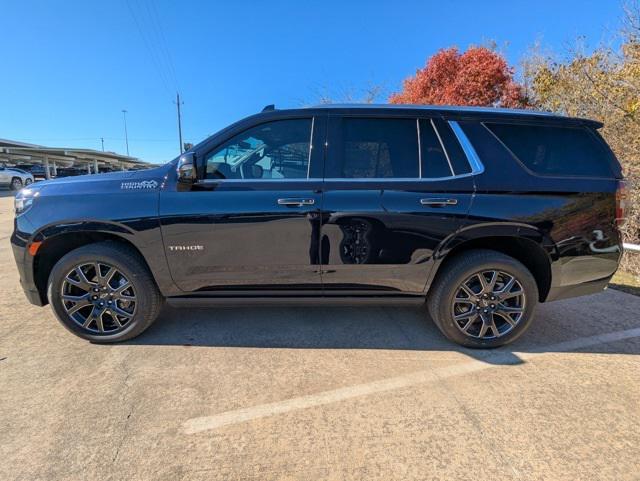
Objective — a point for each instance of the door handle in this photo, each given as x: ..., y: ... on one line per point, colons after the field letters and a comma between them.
x: 296, y: 202
x: 438, y: 202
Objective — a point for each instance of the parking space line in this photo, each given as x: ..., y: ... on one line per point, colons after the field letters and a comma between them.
x: 205, y: 423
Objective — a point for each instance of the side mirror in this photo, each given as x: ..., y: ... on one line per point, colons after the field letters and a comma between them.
x: 187, y: 174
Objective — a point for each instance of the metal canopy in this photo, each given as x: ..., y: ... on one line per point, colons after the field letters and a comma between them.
x: 13, y: 152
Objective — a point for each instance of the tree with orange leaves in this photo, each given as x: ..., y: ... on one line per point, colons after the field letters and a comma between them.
x: 479, y: 76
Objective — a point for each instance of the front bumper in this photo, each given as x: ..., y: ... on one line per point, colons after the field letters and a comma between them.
x: 24, y: 262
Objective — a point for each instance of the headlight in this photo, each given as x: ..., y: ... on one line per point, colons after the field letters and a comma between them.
x: 24, y: 200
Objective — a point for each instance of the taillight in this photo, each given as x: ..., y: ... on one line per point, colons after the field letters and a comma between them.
x: 621, y: 203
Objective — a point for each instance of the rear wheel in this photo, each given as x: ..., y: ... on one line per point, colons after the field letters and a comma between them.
x: 103, y: 292
x: 483, y: 299
x: 16, y: 183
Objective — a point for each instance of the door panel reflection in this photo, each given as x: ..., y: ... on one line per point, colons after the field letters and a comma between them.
x: 387, y: 244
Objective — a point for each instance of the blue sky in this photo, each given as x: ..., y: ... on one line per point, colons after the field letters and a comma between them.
x: 71, y: 67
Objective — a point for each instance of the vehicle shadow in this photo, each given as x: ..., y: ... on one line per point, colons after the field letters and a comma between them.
x: 7, y: 193
x: 561, y: 326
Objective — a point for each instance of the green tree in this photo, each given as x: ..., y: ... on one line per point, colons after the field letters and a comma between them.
x: 604, y: 85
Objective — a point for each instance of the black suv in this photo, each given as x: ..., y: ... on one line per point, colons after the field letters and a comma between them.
x: 480, y: 213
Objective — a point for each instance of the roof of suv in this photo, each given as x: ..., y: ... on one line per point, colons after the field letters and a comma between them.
x: 463, y: 110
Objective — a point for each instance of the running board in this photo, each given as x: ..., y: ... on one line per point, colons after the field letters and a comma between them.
x: 295, y: 301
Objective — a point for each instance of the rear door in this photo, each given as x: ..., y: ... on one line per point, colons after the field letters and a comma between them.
x: 395, y: 188
x: 253, y: 221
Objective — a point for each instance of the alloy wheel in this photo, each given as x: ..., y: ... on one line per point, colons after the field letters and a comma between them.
x: 99, y: 298
x: 489, y: 304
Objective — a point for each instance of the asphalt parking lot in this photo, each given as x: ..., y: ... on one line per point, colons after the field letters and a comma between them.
x: 319, y: 393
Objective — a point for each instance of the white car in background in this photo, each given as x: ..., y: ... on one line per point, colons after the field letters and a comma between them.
x: 14, y: 178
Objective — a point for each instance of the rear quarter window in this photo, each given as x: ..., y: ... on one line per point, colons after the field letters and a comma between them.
x: 551, y: 150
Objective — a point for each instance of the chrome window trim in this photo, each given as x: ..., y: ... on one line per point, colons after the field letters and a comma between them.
x: 397, y: 179
x: 339, y: 179
x: 444, y: 149
x: 472, y: 156
x: 240, y: 181
x: 419, y: 149
x: 313, y: 121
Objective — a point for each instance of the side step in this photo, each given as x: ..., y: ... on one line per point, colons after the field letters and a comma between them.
x: 192, y: 301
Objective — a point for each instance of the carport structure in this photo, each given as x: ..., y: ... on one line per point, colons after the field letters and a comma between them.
x: 13, y: 153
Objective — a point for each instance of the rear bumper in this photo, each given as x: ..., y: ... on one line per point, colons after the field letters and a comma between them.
x: 577, y: 290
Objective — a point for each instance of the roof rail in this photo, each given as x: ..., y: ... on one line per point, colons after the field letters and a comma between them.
x: 269, y: 108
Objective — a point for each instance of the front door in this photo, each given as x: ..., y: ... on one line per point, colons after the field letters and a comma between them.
x: 253, y: 221
x: 395, y: 188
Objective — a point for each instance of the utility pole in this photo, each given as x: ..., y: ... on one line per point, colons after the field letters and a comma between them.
x: 126, y: 136
x: 179, y: 122
x: 102, y: 140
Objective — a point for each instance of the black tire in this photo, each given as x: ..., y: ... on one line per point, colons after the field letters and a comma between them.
x: 465, y: 268
x: 16, y: 183
x: 128, y: 264
x: 28, y: 182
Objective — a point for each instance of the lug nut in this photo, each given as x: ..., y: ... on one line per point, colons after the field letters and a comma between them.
x: 493, y: 306
x: 486, y: 311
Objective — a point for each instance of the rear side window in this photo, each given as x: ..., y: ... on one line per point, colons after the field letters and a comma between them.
x: 458, y: 159
x: 551, y: 150
x: 435, y: 162
x: 374, y: 148
x: 442, y: 155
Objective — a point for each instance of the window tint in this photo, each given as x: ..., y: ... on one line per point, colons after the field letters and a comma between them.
x: 374, y: 148
x: 458, y: 159
x: 554, y: 150
x: 434, y: 158
x: 274, y: 150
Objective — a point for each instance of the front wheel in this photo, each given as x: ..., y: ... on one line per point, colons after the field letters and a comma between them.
x: 483, y: 299
x: 103, y: 292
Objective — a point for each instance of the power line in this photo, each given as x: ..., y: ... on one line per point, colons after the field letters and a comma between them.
x: 158, y: 49
x: 149, y: 46
x: 164, y: 46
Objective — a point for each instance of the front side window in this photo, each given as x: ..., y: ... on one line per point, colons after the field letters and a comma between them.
x: 551, y: 150
x: 273, y: 150
x: 374, y: 148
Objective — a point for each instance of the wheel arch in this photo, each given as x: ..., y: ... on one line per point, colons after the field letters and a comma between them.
x: 54, y: 247
x: 528, y: 249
